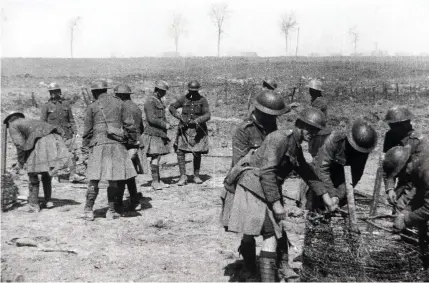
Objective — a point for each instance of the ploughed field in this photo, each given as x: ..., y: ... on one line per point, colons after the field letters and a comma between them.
x: 177, y: 235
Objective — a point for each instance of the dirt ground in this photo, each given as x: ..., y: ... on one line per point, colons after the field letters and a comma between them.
x: 177, y: 235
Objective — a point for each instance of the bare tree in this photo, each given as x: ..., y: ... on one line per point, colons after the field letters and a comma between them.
x: 219, y: 13
x: 177, y: 28
x: 287, y: 22
x: 73, y: 24
x: 354, y: 36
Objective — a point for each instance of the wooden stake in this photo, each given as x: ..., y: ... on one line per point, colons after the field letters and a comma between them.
x: 376, y: 196
x: 3, y: 148
x: 352, y: 209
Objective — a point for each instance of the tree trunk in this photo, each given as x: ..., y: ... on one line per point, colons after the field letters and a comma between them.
x: 286, y: 34
x: 71, y: 44
x: 176, y: 42
x: 218, y: 44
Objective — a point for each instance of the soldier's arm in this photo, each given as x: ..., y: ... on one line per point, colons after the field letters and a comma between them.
x: 128, y: 125
x: 87, y: 129
x: 422, y: 213
x: 323, y: 161
x: 44, y: 113
x: 18, y: 140
x: 152, y: 117
x: 176, y: 105
x: 308, y: 174
x: 71, y: 120
x: 357, y: 168
x: 206, y: 112
x: 240, y: 145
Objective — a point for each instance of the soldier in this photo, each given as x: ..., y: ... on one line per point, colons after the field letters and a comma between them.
x: 57, y: 111
x: 340, y: 149
x: 192, y: 136
x: 256, y: 180
x: 108, y: 127
x: 249, y: 135
x: 401, y: 133
x: 155, y: 139
x: 40, y: 146
x: 124, y: 92
x: 399, y: 161
x: 317, y: 99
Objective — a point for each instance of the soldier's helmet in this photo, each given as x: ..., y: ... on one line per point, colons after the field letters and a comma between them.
x: 270, y: 84
x: 163, y: 85
x: 362, y: 136
x: 122, y: 89
x: 315, y: 84
x: 99, y: 84
x: 10, y: 115
x: 194, y: 85
x: 313, y: 117
x: 53, y: 86
x: 270, y: 103
x: 395, y: 159
x: 398, y: 114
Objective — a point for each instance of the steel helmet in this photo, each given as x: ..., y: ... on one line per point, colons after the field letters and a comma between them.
x: 270, y: 103
x: 99, y: 84
x: 53, y: 86
x: 398, y: 114
x: 313, y: 117
x: 194, y: 85
x: 125, y: 89
x: 162, y: 85
x: 362, y: 136
x: 395, y: 159
x: 10, y: 115
x: 315, y: 84
x: 271, y: 84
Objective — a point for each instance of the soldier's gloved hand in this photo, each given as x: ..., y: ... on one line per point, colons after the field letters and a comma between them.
x: 399, y: 223
x: 391, y: 197
x: 329, y: 203
x: 279, y: 211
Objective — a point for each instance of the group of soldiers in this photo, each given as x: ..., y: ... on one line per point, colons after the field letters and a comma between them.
x: 116, y: 141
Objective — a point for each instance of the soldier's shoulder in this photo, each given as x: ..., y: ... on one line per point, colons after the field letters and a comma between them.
x: 245, y: 123
x: 338, y: 136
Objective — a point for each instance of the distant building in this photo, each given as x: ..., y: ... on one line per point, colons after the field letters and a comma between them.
x: 249, y: 54
x: 171, y: 54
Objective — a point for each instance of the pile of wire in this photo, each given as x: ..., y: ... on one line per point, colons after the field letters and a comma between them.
x: 332, y: 252
x: 9, y: 191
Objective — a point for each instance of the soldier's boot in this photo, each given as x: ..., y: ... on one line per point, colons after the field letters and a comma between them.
x: 267, y: 266
x: 134, y: 196
x: 156, y: 184
x: 33, y: 195
x: 111, y: 213
x: 285, y: 273
x: 248, y: 250
x: 197, y: 165
x: 47, y: 190
x: 91, y: 196
x: 119, y: 203
x: 182, y: 168
x: 74, y: 177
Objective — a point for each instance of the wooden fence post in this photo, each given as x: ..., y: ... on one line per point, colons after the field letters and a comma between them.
x: 33, y: 100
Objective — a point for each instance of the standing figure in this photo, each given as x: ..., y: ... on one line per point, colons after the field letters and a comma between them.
x: 399, y: 162
x: 256, y: 181
x: 42, y: 149
x: 401, y: 133
x: 248, y: 136
x: 155, y: 139
x: 108, y: 127
x: 124, y: 92
x: 342, y: 148
x: 192, y: 134
x: 57, y: 112
x: 317, y: 99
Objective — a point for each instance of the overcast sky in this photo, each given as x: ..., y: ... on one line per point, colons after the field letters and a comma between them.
x: 131, y: 28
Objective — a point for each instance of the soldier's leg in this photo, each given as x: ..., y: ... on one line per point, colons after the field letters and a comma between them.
x: 197, y: 166
x: 268, y: 258
x: 112, y: 195
x: 182, y: 167
x: 47, y: 189
x: 156, y: 182
x: 91, y: 196
x: 119, y: 203
x: 248, y: 250
x: 33, y: 193
x: 132, y: 189
x: 285, y: 272
x: 405, y: 193
x: 423, y: 232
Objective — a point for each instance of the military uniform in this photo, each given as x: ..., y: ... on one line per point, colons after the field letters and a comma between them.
x: 192, y: 134
x: 58, y: 112
x: 404, y: 189
x: 42, y: 149
x: 329, y: 164
x: 108, y: 159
